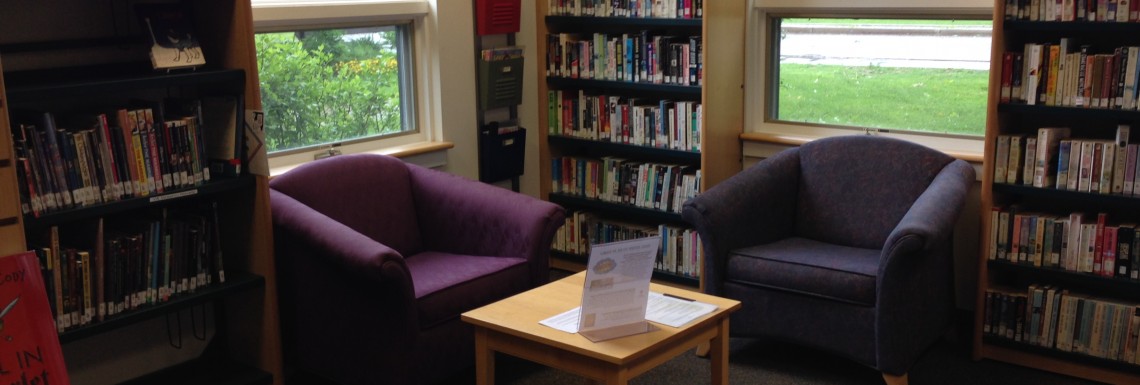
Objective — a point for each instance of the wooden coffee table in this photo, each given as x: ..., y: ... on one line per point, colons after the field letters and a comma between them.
x: 511, y: 326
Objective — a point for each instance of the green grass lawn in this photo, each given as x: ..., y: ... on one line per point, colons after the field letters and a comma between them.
x: 950, y: 101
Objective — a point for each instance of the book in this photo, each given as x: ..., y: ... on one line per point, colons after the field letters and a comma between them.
x: 220, y: 117
x: 1120, y: 159
x: 1030, y: 163
x: 1001, y: 160
x: 174, y: 43
x: 1047, y: 158
x: 28, y: 337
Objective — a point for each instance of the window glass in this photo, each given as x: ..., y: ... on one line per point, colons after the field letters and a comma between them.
x: 334, y: 86
x: 927, y: 76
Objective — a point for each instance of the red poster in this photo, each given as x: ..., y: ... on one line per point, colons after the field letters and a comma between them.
x: 29, y: 343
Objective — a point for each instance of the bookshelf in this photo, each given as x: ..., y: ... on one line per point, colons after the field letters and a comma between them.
x: 97, y: 60
x: 715, y: 84
x: 1052, y: 340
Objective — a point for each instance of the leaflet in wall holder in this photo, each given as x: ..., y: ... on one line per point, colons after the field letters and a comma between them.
x: 501, y: 77
x: 502, y: 149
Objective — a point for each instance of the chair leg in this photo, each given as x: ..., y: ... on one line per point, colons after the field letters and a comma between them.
x: 891, y: 379
x: 703, y: 349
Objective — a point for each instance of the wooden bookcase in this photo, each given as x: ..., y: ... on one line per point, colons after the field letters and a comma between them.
x: 720, y: 93
x: 74, y: 54
x: 1014, y: 117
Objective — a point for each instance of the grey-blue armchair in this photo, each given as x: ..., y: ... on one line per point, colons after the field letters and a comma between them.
x: 842, y: 244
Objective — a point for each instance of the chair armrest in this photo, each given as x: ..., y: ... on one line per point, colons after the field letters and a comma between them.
x: 327, y: 271
x: 340, y: 245
x: 930, y: 220
x: 915, y: 279
x: 459, y: 215
x: 755, y: 206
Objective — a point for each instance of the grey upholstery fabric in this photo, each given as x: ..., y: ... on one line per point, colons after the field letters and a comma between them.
x: 843, y: 244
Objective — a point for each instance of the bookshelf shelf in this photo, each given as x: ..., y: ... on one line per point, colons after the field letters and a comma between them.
x: 1073, y: 112
x: 43, y: 85
x: 1070, y: 26
x: 617, y: 210
x: 220, y: 187
x: 602, y: 147
x: 566, y: 22
x: 236, y: 281
x: 1121, y: 287
x: 620, y: 86
x: 1063, y: 355
x: 1085, y: 199
x: 1014, y: 209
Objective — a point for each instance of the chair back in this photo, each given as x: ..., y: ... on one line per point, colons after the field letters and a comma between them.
x: 853, y: 190
x: 370, y: 193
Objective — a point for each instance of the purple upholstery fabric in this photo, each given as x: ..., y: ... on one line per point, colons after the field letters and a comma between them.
x: 461, y: 217
x: 369, y: 194
x: 838, y: 246
x: 377, y: 259
x: 450, y: 284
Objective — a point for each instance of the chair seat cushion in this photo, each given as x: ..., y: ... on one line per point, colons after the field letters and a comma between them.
x: 447, y: 284
x: 808, y: 267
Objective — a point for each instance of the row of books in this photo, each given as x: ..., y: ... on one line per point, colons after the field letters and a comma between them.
x: 94, y: 273
x: 660, y: 123
x: 1055, y: 318
x: 1074, y: 242
x: 667, y: 9
x: 85, y: 159
x: 656, y: 186
x: 1067, y: 73
x: 681, y: 251
x: 1073, y: 10
x: 1050, y: 159
x: 644, y: 57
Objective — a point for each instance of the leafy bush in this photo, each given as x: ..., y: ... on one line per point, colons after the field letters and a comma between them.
x: 319, y: 87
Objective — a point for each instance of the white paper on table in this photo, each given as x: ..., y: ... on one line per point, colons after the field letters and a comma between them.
x: 664, y: 310
x: 675, y: 312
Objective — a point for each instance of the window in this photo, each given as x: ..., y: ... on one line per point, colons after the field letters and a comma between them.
x: 338, y: 74
x: 325, y: 86
x: 914, y: 69
x: 922, y: 75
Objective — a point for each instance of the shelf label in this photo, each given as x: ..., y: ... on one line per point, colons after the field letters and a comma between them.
x: 176, y: 195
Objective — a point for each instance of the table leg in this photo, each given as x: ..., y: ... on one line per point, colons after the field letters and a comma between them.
x: 618, y: 377
x: 718, y: 353
x: 484, y: 359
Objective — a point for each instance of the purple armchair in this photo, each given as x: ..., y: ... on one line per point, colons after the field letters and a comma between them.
x: 377, y: 259
x: 843, y: 244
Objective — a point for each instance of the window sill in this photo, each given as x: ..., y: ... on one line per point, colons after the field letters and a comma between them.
x: 796, y: 140
x: 410, y: 152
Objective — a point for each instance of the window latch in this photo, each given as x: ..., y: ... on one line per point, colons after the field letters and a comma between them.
x: 327, y: 152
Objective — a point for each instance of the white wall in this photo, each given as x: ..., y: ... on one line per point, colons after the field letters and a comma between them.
x: 456, y: 63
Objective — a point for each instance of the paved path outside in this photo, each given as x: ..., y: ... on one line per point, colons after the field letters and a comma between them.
x: 962, y: 48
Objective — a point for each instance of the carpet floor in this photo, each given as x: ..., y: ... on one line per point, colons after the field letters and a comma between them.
x: 755, y: 361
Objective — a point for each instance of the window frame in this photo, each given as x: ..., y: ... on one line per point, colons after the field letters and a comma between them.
x: 288, y: 15
x: 761, y: 63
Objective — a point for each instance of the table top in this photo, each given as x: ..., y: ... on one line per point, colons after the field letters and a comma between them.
x: 520, y: 315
